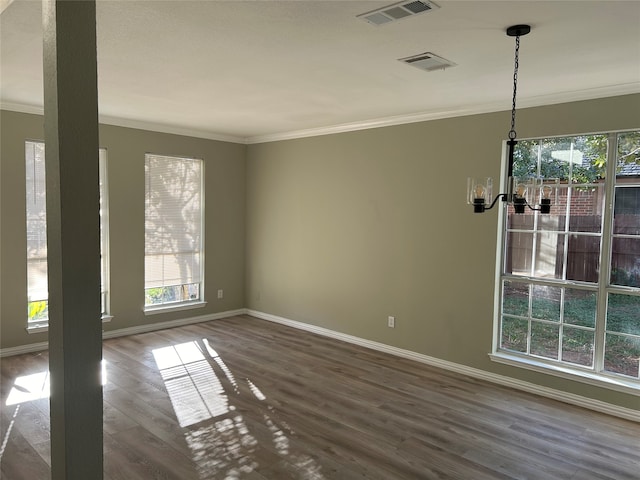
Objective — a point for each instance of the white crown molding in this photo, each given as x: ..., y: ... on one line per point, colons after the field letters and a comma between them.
x: 368, y: 124
x: 171, y: 129
x: 22, y: 108
x: 137, y: 124
x: 570, y: 398
x: 538, y: 101
x: 4, y: 4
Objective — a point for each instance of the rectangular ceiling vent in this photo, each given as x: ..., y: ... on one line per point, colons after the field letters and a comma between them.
x: 397, y: 11
x: 428, y: 61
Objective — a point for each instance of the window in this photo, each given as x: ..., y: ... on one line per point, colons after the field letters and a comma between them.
x: 569, y: 287
x: 104, y: 235
x: 173, y: 231
x: 37, y: 288
x: 37, y: 283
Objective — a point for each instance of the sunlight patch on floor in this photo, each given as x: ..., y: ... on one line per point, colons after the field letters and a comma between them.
x: 28, y: 388
x: 37, y: 385
x: 193, y: 387
x: 201, y: 388
x: 3, y: 446
x: 223, y: 446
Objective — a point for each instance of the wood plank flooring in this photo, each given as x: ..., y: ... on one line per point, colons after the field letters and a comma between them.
x: 242, y: 398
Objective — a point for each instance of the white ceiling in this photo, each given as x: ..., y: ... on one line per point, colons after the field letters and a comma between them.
x: 252, y: 71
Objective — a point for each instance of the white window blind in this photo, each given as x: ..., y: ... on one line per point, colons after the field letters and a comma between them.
x: 173, y: 229
x: 36, y: 219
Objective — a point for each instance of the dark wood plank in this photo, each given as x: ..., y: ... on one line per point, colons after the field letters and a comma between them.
x: 248, y: 399
x: 20, y: 460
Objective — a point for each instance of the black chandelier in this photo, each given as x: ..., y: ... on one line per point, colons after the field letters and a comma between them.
x: 541, y: 191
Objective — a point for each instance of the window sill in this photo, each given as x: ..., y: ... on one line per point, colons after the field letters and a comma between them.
x: 173, y: 308
x: 38, y: 328
x: 44, y: 327
x: 609, y: 381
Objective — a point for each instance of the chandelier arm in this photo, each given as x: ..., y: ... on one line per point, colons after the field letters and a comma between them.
x: 501, y: 195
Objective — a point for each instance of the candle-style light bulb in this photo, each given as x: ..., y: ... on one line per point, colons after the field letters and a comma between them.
x: 521, y: 189
x: 545, y: 201
x: 479, y: 193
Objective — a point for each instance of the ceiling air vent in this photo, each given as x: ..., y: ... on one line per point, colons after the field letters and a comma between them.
x: 428, y: 61
x: 397, y: 11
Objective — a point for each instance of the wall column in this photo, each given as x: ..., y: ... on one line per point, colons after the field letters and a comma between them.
x: 73, y: 238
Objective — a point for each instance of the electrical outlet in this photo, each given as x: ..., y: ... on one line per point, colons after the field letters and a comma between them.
x: 220, y: 293
x: 391, y: 322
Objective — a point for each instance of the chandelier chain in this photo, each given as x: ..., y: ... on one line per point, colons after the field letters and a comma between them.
x: 512, y: 132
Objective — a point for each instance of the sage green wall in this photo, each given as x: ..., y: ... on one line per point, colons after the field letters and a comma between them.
x: 344, y: 230
x: 341, y: 230
x: 224, y: 222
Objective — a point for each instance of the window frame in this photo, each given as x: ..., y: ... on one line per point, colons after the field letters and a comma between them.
x: 594, y: 374
x: 186, y: 304
x: 42, y: 325
x: 105, y: 262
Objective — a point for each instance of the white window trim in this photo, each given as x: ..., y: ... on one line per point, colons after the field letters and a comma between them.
x: 604, y: 380
x: 187, y: 304
x: 601, y: 378
x: 105, y: 262
x: 173, y: 307
x: 43, y: 325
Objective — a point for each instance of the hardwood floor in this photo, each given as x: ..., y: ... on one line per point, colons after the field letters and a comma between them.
x: 242, y: 398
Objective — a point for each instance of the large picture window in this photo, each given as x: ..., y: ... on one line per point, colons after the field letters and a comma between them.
x: 36, y: 211
x: 569, y: 287
x: 173, y: 231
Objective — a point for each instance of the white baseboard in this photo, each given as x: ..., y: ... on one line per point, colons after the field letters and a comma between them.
x: 150, y: 327
x: 19, y: 350
x: 570, y: 398
x: 122, y: 332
